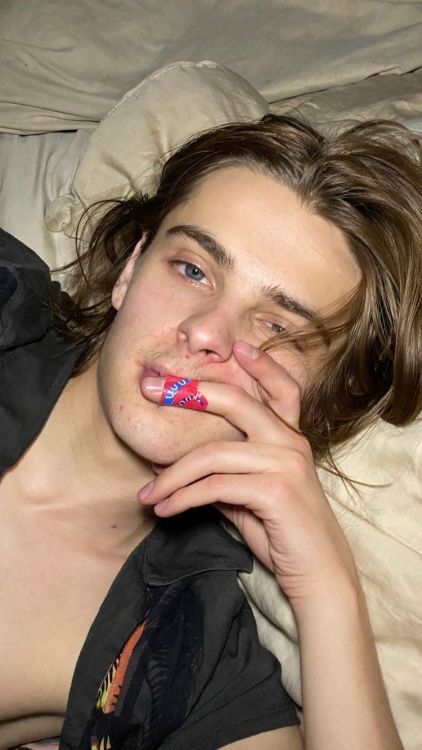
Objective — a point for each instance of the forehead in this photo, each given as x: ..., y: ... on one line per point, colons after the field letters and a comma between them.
x: 272, y: 237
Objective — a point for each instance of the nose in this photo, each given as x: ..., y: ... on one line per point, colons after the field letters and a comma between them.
x: 210, y: 332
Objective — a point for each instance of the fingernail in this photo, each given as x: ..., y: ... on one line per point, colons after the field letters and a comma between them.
x: 142, y: 494
x: 247, y: 349
x: 161, y: 505
x: 153, y: 385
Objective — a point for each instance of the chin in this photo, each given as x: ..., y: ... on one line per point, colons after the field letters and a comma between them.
x: 165, y: 441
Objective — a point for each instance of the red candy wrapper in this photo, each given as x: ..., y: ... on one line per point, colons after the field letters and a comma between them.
x: 182, y: 392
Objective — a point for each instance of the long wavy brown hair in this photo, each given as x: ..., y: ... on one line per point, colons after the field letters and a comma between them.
x: 367, y: 181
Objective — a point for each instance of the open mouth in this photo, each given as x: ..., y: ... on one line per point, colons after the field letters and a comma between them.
x: 148, y: 372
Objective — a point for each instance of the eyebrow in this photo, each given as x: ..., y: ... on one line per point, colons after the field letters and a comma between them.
x: 224, y: 260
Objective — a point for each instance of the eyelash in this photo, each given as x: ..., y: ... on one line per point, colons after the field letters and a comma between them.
x: 193, y: 265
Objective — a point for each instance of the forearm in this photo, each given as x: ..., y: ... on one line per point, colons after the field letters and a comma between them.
x: 344, y: 700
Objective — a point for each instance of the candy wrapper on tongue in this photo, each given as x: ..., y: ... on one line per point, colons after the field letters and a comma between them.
x: 182, y: 392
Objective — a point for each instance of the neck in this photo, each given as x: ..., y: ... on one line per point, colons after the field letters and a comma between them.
x: 79, y: 471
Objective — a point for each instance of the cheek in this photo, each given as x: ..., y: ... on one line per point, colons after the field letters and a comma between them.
x: 144, y: 315
x: 140, y: 332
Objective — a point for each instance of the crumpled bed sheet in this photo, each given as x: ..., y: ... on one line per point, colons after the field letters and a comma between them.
x: 67, y: 69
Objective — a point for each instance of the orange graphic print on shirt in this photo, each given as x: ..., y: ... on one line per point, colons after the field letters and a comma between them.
x: 136, y: 704
x: 112, y: 683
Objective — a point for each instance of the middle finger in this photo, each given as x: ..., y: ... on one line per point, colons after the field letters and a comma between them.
x: 214, y: 458
x: 230, y: 401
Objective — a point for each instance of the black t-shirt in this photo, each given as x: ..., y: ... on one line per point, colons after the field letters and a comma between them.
x: 174, y: 649
x: 172, y: 659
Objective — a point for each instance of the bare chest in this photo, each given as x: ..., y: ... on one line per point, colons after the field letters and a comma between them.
x: 50, y: 593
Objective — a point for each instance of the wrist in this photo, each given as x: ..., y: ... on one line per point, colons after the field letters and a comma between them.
x: 339, y: 591
x: 342, y: 685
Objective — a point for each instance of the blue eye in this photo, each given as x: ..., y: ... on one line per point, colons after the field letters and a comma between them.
x: 196, y: 273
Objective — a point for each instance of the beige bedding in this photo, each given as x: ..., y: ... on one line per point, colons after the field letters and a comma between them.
x: 384, y: 528
x: 389, y: 96
x: 65, y: 64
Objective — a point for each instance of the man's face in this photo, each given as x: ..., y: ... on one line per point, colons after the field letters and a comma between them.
x: 180, y: 311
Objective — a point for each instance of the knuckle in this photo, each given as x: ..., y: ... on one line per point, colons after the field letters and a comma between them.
x: 277, y: 489
x: 304, y: 448
x: 237, y: 391
x: 211, y: 454
x: 296, y: 389
x: 299, y: 460
x: 292, y: 388
x: 210, y: 449
x: 281, y: 487
x: 275, y: 482
x: 215, y: 482
x: 292, y: 465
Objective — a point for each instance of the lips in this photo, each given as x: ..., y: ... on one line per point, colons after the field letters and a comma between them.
x: 148, y: 372
x: 160, y: 371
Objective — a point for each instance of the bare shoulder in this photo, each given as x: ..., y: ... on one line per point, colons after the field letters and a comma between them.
x: 287, y: 738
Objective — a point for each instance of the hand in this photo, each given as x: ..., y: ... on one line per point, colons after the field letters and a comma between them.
x: 266, y: 486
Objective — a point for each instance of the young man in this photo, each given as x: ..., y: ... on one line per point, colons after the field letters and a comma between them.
x: 169, y: 656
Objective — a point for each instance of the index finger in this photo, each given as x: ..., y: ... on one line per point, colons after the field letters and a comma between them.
x: 179, y: 391
x: 230, y: 401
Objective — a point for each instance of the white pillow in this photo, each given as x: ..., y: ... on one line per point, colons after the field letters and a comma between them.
x: 127, y: 150
x: 34, y: 170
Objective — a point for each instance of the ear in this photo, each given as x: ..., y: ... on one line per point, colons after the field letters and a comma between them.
x: 120, y: 288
